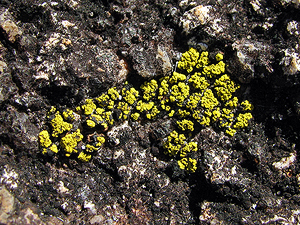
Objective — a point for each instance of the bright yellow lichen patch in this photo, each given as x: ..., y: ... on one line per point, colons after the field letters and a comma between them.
x: 188, y: 164
x: 44, y: 139
x: 70, y: 141
x: 185, y: 125
x: 89, y: 107
x: 59, y: 126
x: 198, y: 94
x: 130, y: 95
x: 84, y: 157
x: 174, y: 143
x: 189, y: 60
x: 149, y: 89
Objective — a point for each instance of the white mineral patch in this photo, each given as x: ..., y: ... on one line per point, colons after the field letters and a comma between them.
x: 195, y: 17
x: 9, y: 177
x: 285, y: 162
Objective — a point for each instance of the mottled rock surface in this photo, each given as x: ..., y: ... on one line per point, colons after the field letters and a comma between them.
x: 59, y: 53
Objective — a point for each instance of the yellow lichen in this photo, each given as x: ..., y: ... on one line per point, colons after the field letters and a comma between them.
x: 189, y: 147
x: 188, y: 164
x: 88, y: 107
x: 59, y: 126
x: 247, y: 106
x: 185, y: 125
x: 188, y: 60
x: 44, y: 139
x: 68, y: 115
x: 208, y: 100
x: 130, y: 95
x: 70, y: 141
x: 149, y: 89
x: 114, y: 94
x: 200, y: 93
x: 84, y: 157
x: 100, y: 141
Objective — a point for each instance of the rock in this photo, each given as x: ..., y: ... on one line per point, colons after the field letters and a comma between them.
x: 252, y: 56
x: 9, y: 26
x: 285, y: 162
x: 60, y: 53
x: 7, y: 205
x: 290, y: 62
x: 27, y: 217
x: 199, y: 15
x: 18, y: 129
x: 7, y: 87
x: 144, y: 61
x: 293, y: 27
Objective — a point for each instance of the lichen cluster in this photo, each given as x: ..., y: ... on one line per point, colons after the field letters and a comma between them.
x: 198, y: 94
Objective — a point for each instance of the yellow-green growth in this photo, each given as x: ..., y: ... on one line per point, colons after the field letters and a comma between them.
x: 70, y: 141
x: 108, y: 117
x: 90, y: 123
x: 144, y: 106
x: 226, y: 118
x: 219, y: 57
x: 205, y: 121
x: 232, y: 103
x: 203, y: 60
x: 225, y: 87
x: 242, y: 120
x: 164, y: 87
x: 199, y: 92
x: 105, y: 101
x: 188, y: 164
x: 46, y: 143
x: 152, y: 114
x: 125, y: 108
x: 189, y: 147
x: 171, y: 114
x: 90, y: 148
x: 164, y: 106
x: 183, y: 113
x: 230, y: 131
x: 44, y: 139
x: 185, y: 125
x: 198, y: 81
x: 68, y: 115
x: 209, y: 101
x: 193, y: 101
x: 188, y: 60
x: 89, y: 107
x: 247, y: 106
x: 54, y: 148
x: 135, y: 116
x: 130, y: 95
x: 97, y: 118
x: 216, y: 114
x: 59, y: 126
x: 179, y: 93
x: 84, y: 157
x: 114, y: 94
x: 214, y: 69
x: 149, y: 89
x: 177, y: 77
x: 100, y: 141
x: 174, y: 143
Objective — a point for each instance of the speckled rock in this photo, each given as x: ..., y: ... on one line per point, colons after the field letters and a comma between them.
x: 59, y: 53
x: 7, y: 205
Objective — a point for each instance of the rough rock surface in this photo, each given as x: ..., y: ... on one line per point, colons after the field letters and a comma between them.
x: 59, y: 53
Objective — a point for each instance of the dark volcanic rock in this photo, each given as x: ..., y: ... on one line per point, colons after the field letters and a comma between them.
x: 60, y: 53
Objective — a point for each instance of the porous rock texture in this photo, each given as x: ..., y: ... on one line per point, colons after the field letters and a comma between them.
x: 59, y: 53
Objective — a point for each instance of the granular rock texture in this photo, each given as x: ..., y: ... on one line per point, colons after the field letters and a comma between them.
x: 60, y: 53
